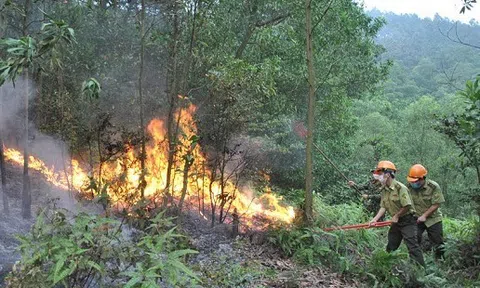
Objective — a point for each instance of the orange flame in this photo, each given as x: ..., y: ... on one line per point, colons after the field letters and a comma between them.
x: 123, y: 175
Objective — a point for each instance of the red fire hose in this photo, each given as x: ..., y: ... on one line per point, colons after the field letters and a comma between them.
x: 359, y: 226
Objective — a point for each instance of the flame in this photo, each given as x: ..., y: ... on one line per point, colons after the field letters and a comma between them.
x: 124, y: 174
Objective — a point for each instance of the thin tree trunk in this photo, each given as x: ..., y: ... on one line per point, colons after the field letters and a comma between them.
x: 65, y: 171
x: 213, y: 205
x: 198, y: 189
x: 172, y: 91
x: 223, y: 198
x: 90, y: 160
x: 143, y: 155
x: 26, y: 193
x: 203, y: 188
x: 100, y: 160
x: 6, y: 209
x: 186, y: 168
x: 478, y: 173
x: 188, y: 60
x: 246, y: 38
x: 310, y: 117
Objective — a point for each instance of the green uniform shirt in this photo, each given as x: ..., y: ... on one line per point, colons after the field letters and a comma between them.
x: 395, y: 197
x: 425, y: 197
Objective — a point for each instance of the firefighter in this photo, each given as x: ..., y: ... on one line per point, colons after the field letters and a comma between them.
x: 396, y: 200
x: 427, y: 198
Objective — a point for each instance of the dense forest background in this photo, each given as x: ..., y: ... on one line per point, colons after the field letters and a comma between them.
x: 84, y: 79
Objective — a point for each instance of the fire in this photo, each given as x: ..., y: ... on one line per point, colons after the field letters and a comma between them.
x: 78, y: 179
x: 124, y: 174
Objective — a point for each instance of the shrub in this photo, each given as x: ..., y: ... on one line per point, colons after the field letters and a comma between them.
x: 91, y: 251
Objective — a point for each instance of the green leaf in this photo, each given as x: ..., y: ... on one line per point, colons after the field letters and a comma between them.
x: 57, y: 275
x: 132, y: 282
x: 180, y: 253
x: 180, y: 266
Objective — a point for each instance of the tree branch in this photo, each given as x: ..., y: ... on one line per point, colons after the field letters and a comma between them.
x: 329, y: 5
x: 251, y: 28
x: 457, y: 37
x: 274, y: 21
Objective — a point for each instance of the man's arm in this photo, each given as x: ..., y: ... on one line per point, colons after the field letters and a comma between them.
x: 400, y: 213
x: 380, y: 213
x: 427, y: 213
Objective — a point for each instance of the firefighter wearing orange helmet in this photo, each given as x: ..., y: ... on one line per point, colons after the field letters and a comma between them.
x: 427, y: 198
x: 396, y: 200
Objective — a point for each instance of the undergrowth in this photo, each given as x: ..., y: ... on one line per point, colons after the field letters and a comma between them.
x: 361, y: 253
x: 95, y: 251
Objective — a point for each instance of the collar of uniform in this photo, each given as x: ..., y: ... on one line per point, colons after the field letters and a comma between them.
x: 392, y: 185
x: 424, y: 185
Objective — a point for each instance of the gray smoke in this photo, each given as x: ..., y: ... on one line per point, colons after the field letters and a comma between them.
x: 50, y: 150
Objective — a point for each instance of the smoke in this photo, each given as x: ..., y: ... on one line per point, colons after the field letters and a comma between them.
x: 12, y: 105
x: 50, y: 150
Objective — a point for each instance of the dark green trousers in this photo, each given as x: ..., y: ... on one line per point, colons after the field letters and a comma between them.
x: 435, y: 235
x: 405, y: 229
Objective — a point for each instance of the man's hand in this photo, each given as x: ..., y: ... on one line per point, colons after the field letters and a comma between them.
x: 351, y: 183
x: 421, y: 219
x: 372, y: 222
x: 365, y: 196
x: 395, y: 218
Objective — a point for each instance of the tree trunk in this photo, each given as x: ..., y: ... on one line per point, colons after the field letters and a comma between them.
x: 189, y: 58
x: 310, y: 117
x: 143, y: 155
x: 212, y: 200
x: 100, y: 160
x: 6, y: 209
x: 478, y: 173
x: 186, y: 168
x: 26, y: 193
x: 246, y: 38
x: 172, y: 92
x: 203, y: 188
x: 223, y: 198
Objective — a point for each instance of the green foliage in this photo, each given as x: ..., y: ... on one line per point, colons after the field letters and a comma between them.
x: 380, y: 266
x: 22, y: 52
x: 92, y: 250
x: 464, y: 128
x: 53, y: 32
x: 361, y: 253
x: 233, y: 275
x: 161, y: 263
x: 464, y: 230
x: 91, y: 89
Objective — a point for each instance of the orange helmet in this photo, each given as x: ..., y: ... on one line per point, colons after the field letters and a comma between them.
x: 416, y: 172
x: 386, y: 165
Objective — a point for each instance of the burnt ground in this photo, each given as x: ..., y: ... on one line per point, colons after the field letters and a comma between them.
x: 248, y: 260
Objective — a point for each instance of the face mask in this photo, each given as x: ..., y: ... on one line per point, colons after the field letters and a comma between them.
x: 416, y: 185
x: 380, y: 178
